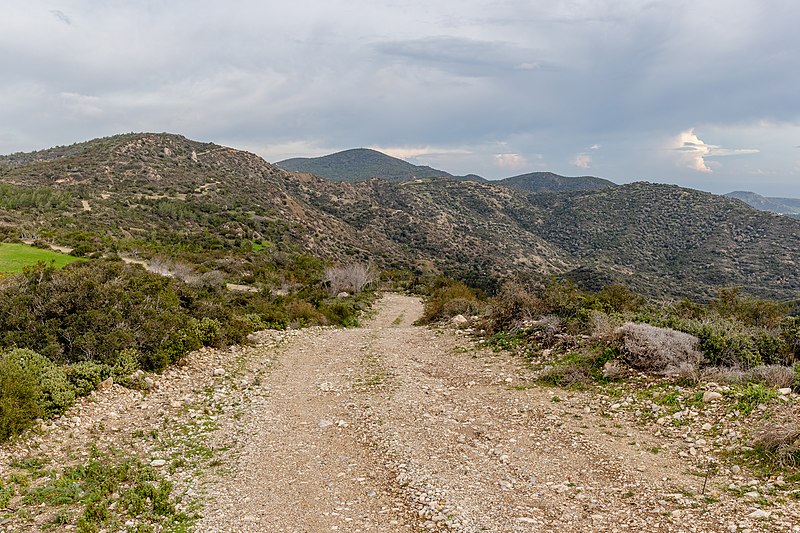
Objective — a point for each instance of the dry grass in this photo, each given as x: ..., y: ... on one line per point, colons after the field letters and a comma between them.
x: 779, y: 438
x: 770, y: 375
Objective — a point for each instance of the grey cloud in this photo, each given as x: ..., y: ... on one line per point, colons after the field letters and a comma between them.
x: 543, y: 77
x: 60, y: 15
x: 466, y: 56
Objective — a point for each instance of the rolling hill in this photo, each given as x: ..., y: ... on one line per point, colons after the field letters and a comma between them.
x: 361, y: 164
x: 148, y: 194
x: 550, y: 182
x: 783, y: 206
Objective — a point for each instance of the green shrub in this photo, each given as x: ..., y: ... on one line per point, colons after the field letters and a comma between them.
x: 450, y: 300
x: 341, y: 312
x: 577, y: 369
x: 20, y: 397
x: 124, y: 363
x: 87, y: 375
x: 617, y: 298
x: 207, y: 331
x: 302, y: 313
x: 56, y: 392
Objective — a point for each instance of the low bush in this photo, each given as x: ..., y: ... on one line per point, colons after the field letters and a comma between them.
x: 20, y: 397
x: 56, y: 393
x: 451, y: 299
x: 86, y: 376
x: 771, y: 375
x: 661, y: 350
x: 577, y: 369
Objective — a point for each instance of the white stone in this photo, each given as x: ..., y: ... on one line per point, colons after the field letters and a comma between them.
x: 785, y: 391
x: 710, y: 396
x: 759, y: 513
x: 157, y: 463
x: 459, y: 319
x: 219, y: 371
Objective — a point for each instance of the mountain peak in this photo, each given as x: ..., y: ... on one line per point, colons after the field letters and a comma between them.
x: 362, y: 164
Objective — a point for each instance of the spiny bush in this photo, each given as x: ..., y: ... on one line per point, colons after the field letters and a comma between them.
x: 654, y: 349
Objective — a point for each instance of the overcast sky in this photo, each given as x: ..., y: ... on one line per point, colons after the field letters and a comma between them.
x: 704, y: 94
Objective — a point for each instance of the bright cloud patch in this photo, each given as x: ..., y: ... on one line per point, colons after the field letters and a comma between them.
x: 405, y: 152
x: 510, y: 161
x: 582, y: 161
x: 694, y: 151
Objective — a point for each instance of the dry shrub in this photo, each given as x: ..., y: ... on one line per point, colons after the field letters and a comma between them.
x: 547, y: 328
x: 615, y: 370
x: 172, y: 269
x: 779, y: 438
x: 723, y: 375
x: 663, y: 350
x: 603, y: 327
x: 687, y: 372
x: 769, y: 375
x: 772, y: 375
x: 512, y: 306
x: 352, y: 278
x: 566, y: 375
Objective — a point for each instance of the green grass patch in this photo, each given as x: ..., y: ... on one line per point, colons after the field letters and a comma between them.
x: 102, y: 494
x: 751, y: 395
x: 15, y: 257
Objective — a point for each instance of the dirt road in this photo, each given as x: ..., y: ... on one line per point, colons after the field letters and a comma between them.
x: 392, y: 427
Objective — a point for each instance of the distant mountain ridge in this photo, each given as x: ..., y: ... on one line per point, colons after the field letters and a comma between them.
x: 154, y: 194
x: 783, y: 206
x: 550, y: 182
x: 362, y: 164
